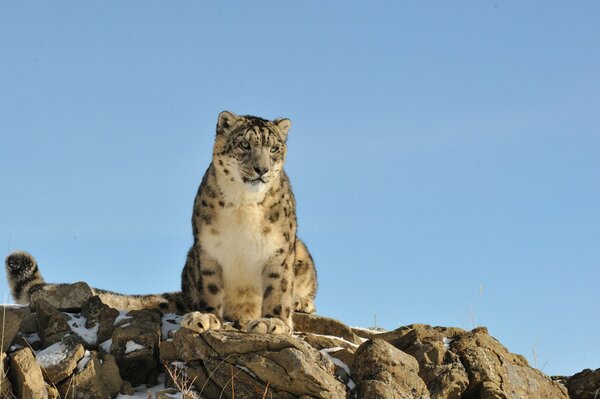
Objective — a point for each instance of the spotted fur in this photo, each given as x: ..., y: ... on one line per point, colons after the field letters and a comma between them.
x: 246, y: 264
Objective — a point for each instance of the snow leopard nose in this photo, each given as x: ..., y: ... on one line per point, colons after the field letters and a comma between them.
x: 261, y: 170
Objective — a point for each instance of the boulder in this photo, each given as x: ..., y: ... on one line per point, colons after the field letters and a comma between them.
x: 496, y: 373
x: 110, y: 376
x: 99, y: 314
x: 27, y: 375
x: 65, y: 297
x: 440, y: 368
x: 311, y: 323
x: 135, y: 346
x: 86, y: 383
x: 52, y: 324
x: 58, y: 361
x: 11, y: 317
x: 382, y: 371
x: 584, y: 385
x: 290, y: 366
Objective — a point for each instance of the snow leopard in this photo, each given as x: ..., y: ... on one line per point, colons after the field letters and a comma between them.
x: 246, y: 264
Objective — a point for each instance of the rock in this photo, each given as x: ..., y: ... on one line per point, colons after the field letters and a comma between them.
x: 52, y: 324
x: 311, y: 323
x: 27, y: 376
x: 584, y: 385
x: 5, y: 385
x: 109, y: 373
x: 65, y: 297
x: 494, y: 372
x: 11, y: 317
x: 52, y: 392
x: 135, y: 346
x: 60, y: 359
x: 324, y: 342
x: 291, y: 366
x: 98, y: 313
x: 440, y: 368
x: 167, y: 352
x: 86, y: 384
x: 382, y: 371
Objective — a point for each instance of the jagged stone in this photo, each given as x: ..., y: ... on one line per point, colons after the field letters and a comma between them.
x: 11, y: 318
x: 29, y: 323
x: 109, y: 373
x: 496, y: 373
x: 5, y: 385
x: 440, y: 368
x: 65, y: 297
x: 311, y: 323
x: 98, y: 313
x: 60, y: 359
x: 27, y: 375
x: 291, y: 366
x: 52, y: 324
x: 135, y: 346
x: 584, y: 385
x: 167, y: 352
x: 382, y: 371
x: 87, y: 383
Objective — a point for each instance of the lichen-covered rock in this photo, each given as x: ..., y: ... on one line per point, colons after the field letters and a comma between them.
x: 584, y: 385
x: 495, y: 373
x: 290, y: 366
x: 382, y: 371
x: 27, y: 375
x: 52, y: 324
x: 135, y: 346
x: 60, y: 359
x: 65, y: 297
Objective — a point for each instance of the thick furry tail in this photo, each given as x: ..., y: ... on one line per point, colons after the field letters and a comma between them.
x: 24, y: 278
x: 23, y: 275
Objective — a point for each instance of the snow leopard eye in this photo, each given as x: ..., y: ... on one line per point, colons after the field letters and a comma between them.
x: 244, y: 145
x: 274, y: 149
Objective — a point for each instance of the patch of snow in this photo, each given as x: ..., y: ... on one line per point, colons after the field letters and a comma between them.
x: 170, y: 322
x: 106, y: 345
x: 447, y: 342
x: 52, y: 355
x: 132, y: 346
x: 122, y: 316
x: 31, y: 338
x: 15, y: 347
x: 351, y: 384
x: 84, y: 361
x: 77, y: 324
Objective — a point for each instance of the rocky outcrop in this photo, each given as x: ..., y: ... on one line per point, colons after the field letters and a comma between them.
x: 584, y: 385
x: 76, y: 346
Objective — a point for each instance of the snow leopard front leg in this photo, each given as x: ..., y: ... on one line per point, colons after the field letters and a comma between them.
x: 202, y: 289
x: 276, y: 311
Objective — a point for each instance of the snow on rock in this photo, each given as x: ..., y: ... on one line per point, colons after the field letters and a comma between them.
x: 132, y: 346
x: 52, y: 355
x: 170, y: 322
x: 77, y: 324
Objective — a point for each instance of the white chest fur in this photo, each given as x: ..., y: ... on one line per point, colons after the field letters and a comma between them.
x: 236, y: 240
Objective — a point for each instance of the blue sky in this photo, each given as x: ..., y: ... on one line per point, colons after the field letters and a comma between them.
x: 445, y: 156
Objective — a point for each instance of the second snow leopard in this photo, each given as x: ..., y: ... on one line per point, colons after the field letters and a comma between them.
x: 246, y: 264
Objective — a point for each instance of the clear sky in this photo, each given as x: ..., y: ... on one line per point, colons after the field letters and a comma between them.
x: 445, y: 156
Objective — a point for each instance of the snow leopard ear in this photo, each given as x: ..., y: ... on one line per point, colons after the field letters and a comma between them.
x: 226, y: 122
x: 283, y: 125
